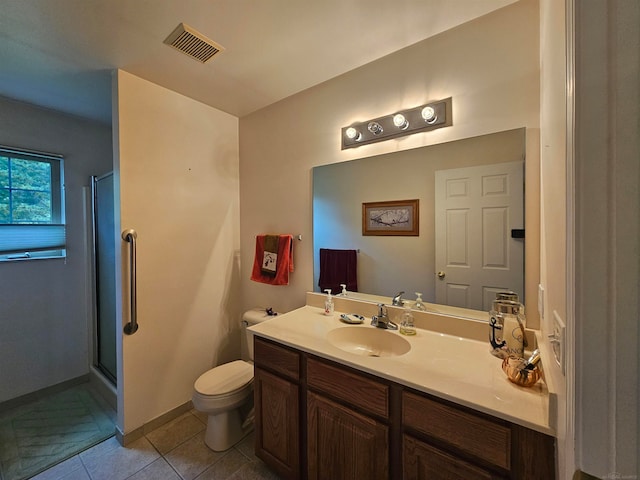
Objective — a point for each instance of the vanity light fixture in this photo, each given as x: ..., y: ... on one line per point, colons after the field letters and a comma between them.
x: 400, y: 121
x: 375, y: 128
x: 353, y: 134
x: 413, y: 120
x: 429, y: 114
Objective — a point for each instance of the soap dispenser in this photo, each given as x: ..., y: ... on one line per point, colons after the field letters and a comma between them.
x: 419, y: 305
x: 407, y: 326
x: 344, y: 289
x: 328, y: 303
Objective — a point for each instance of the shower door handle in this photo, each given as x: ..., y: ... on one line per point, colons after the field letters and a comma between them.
x: 130, y: 236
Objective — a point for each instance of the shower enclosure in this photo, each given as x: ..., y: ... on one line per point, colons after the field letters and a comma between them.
x: 104, y: 342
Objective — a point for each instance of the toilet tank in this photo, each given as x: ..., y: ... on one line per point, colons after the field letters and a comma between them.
x: 249, y: 318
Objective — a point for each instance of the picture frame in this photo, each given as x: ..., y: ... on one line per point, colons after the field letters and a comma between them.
x: 396, y: 217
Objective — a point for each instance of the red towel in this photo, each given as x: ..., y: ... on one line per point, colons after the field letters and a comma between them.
x: 284, y: 263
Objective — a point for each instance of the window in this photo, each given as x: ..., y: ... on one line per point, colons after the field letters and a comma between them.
x: 31, y: 205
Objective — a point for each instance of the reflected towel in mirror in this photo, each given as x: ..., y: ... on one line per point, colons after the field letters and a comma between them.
x: 337, y: 267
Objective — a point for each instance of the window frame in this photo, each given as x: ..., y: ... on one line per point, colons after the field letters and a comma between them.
x: 52, y: 233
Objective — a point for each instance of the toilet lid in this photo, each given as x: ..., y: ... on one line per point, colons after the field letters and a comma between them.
x: 225, y: 378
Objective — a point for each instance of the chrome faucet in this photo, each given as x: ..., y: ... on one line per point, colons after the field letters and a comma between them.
x: 382, y: 319
x: 397, y: 300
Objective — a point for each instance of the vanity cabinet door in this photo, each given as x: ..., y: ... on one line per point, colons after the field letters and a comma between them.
x: 469, y: 442
x: 423, y: 462
x: 277, y: 424
x: 480, y: 436
x: 344, y: 444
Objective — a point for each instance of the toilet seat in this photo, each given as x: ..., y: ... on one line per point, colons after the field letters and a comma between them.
x: 225, y: 379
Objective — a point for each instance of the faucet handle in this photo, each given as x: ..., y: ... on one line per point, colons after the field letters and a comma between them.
x: 382, y: 311
x: 397, y: 300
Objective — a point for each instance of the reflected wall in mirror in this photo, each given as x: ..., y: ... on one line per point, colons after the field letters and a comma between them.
x: 455, y: 237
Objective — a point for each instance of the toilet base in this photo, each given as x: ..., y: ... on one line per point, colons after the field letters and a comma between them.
x: 226, y: 429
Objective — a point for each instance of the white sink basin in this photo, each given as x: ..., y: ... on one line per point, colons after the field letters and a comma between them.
x: 368, y: 341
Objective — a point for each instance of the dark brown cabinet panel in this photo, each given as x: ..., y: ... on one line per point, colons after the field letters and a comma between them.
x: 343, y: 444
x: 424, y: 462
x: 277, y: 423
x: 353, y: 388
x: 471, y: 433
x: 319, y: 420
x: 278, y: 359
x: 534, y: 454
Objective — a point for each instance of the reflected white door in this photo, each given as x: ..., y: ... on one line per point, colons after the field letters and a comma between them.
x: 477, y: 209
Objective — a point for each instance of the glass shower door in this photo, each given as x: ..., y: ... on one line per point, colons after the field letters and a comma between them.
x: 104, y: 258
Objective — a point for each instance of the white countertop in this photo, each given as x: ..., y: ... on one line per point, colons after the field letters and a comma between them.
x: 453, y: 368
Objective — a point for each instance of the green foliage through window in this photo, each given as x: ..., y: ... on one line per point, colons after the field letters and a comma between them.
x: 31, y: 205
x: 26, y: 195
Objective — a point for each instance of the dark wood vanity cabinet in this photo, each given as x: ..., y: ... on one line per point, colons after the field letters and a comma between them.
x: 456, y: 438
x: 425, y: 462
x: 316, y: 419
x: 277, y: 408
x: 345, y: 440
x: 344, y: 444
x: 434, y: 430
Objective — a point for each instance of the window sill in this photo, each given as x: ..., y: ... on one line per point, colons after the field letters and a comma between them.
x: 33, y: 256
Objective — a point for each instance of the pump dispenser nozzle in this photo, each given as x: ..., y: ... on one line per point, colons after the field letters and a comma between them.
x: 328, y: 304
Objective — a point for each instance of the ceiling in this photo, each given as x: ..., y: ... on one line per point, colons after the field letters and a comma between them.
x: 60, y: 54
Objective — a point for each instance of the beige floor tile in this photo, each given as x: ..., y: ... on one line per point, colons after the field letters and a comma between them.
x: 193, y: 457
x: 110, y: 461
x: 186, y: 457
x: 230, y: 463
x: 203, y: 417
x: 247, y: 446
x: 172, y: 434
x: 71, y: 469
x: 158, y: 470
x: 101, y: 448
x: 253, y: 471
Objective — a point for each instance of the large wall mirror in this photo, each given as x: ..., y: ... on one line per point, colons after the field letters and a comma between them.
x: 471, y: 212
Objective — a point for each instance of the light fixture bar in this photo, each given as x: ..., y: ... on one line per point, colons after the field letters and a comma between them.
x: 426, y: 117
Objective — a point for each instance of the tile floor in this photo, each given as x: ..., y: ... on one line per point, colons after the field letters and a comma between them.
x: 174, y: 451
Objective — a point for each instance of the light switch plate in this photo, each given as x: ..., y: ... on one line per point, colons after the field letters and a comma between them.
x: 558, y: 343
x: 541, y: 300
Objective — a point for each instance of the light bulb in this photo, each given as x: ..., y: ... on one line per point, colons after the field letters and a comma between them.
x: 353, y: 134
x: 400, y: 121
x: 375, y: 128
x: 429, y: 114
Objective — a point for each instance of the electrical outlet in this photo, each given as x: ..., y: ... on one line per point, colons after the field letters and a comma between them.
x: 557, y: 340
x: 541, y: 300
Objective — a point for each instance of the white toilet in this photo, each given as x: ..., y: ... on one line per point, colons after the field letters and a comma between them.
x: 225, y: 392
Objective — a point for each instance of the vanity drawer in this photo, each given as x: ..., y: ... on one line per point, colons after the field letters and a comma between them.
x: 421, y: 460
x: 353, y: 388
x: 473, y: 434
x: 276, y: 358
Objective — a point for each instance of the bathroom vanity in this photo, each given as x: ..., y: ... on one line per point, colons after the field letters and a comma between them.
x: 324, y: 410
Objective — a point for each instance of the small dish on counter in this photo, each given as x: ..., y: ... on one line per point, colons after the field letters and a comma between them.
x: 351, y: 318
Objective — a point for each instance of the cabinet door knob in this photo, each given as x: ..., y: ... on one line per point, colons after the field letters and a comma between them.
x: 441, y: 274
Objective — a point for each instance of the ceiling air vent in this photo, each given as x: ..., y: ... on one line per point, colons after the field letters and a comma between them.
x: 193, y: 43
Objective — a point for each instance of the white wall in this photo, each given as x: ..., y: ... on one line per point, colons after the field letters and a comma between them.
x: 607, y: 240
x: 553, y: 215
x: 489, y: 66
x: 177, y: 171
x: 45, y: 312
x: 590, y: 204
